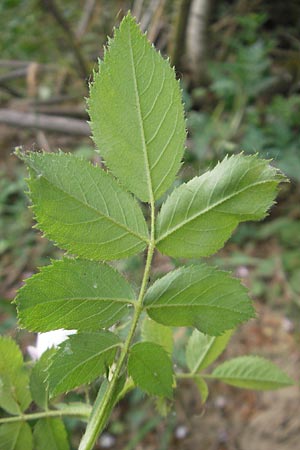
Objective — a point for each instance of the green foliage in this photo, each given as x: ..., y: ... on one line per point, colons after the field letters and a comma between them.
x: 38, y: 380
x: 50, y: 434
x: 83, y: 208
x: 16, y: 436
x: 200, y: 215
x: 157, y: 333
x: 252, y: 372
x: 81, y: 359
x: 14, y: 379
x: 85, y: 296
x: 201, y: 297
x: 138, y: 126
x: 203, y: 350
x: 151, y: 369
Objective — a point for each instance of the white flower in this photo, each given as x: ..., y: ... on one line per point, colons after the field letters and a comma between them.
x: 48, y: 340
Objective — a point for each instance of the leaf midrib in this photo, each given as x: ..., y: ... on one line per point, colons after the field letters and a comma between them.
x: 102, y: 215
x: 141, y: 124
x: 83, y: 299
x: 209, y: 208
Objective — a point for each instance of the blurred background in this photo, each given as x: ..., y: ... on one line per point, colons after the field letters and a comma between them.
x: 239, y: 66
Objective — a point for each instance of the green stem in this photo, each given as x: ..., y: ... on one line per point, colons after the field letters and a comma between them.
x: 105, y: 401
x: 43, y: 415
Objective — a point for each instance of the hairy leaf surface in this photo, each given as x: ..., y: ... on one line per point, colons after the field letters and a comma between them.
x: 151, y: 369
x: 16, y: 436
x: 157, y: 333
x: 74, y: 294
x: 252, y: 372
x: 201, y: 215
x: 202, y: 350
x: 83, y: 208
x: 199, y: 296
x: 50, y: 434
x: 137, y: 114
x: 81, y: 359
x: 14, y: 379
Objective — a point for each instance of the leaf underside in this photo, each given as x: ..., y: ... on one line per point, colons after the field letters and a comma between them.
x: 81, y: 359
x: 203, y: 350
x: 74, y: 294
x: 136, y: 113
x: 151, y: 369
x: 83, y: 209
x: 199, y: 296
x: 252, y: 372
x: 199, y: 216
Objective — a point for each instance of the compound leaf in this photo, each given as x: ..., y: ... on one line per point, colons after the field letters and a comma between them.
x: 74, y: 294
x: 50, y: 434
x: 151, y: 369
x: 252, y: 372
x: 201, y: 215
x: 81, y: 359
x: 157, y: 333
x: 199, y: 296
x: 202, y: 350
x: 136, y: 113
x: 14, y: 378
x: 16, y: 436
x: 83, y: 208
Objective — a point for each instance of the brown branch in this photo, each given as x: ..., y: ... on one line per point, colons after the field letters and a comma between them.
x: 51, y: 6
x: 44, y: 122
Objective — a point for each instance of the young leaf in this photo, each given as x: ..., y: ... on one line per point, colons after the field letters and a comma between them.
x: 157, y: 333
x: 50, y: 434
x: 151, y: 369
x: 202, y: 350
x: 16, y: 436
x: 81, y: 359
x: 199, y: 296
x: 83, y: 208
x: 14, y: 379
x: 38, y: 384
x: 201, y: 215
x: 252, y: 372
x: 74, y: 294
x: 136, y: 114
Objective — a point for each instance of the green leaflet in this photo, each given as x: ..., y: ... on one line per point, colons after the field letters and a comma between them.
x: 83, y: 208
x: 50, y: 434
x: 81, y: 359
x: 157, y: 333
x: 74, y: 294
x: 137, y: 114
x: 14, y: 379
x: 202, y: 350
x: 16, y: 436
x: 199, y: 296
x: 38, y: 384
x: 151, y: 369
x: 252, y: 372
x: 201, y: 215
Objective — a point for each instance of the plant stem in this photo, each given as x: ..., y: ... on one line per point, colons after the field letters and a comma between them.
x: 44, y: 414
x: 104, y: 403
